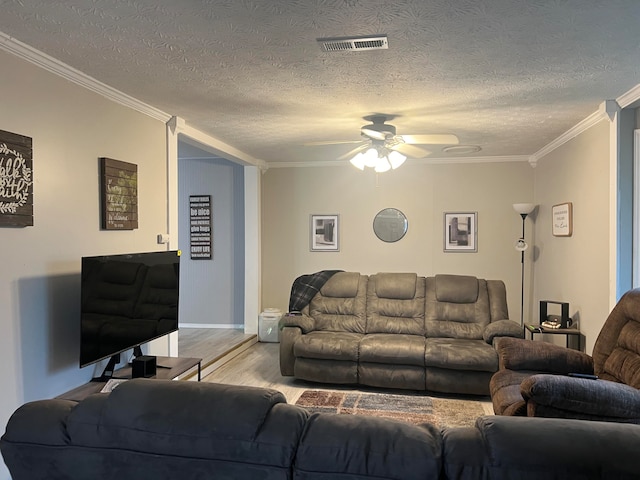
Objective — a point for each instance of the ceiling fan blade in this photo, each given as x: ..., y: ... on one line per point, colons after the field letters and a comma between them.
x: 436, y: 139
x: 351, y: 153
x: 373, y: 134
x: 410, y: 150
x: 339, y: 142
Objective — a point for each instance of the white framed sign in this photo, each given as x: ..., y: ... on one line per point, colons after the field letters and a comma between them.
x: 562, y: 219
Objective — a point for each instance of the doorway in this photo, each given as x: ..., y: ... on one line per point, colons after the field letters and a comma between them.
x: 211, y: 289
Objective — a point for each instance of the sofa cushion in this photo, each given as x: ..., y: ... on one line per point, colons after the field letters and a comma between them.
x: 340, y: 305
x: 456, y: 288
x: 392, y: 349
x: 189, y: 419
x: 452, y: 318
x: 326, y: 371
x: 341, y: 285
x: 460, y: 354
x: 401, y: 308
x: 400, y: 286
x: 328, y: 346
x: 358, y: 447
x: 541, y: 448
x: 623, y: 363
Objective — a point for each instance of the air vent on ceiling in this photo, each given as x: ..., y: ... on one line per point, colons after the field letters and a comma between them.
x: 352, y: 44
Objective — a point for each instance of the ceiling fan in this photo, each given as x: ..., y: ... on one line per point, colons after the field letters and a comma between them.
x: 379, y: 134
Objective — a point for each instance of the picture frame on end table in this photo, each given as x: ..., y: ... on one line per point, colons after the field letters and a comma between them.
x: 461, y: 232
x: 324, y: 233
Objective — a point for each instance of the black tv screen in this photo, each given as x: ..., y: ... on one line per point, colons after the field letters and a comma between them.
x: 127, y: 300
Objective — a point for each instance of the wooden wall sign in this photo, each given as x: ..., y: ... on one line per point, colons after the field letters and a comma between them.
x: 118, y: 194
x: 16, y: 180
x: 200, y: 227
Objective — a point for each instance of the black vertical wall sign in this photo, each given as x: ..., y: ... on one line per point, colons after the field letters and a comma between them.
x: 16, y: 180
x: 200, y: 227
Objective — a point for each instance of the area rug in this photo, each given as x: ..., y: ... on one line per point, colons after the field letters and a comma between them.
x: 416, y: 409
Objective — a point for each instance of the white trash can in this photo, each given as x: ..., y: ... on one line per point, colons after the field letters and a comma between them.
x: 268, y: 330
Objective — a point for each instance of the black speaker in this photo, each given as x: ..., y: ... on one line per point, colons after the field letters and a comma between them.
x: 143, y: 366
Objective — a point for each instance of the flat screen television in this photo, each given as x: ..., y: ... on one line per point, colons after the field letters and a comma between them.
x: 126, y: 300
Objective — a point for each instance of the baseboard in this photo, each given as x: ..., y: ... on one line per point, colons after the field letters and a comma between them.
x: 211, y: 325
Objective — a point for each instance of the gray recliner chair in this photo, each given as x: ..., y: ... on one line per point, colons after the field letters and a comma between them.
x: 533, y: 380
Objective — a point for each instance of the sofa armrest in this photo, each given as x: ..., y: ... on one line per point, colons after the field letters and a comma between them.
x: 302, y: 321
x: 598, y: 399
x: 502, y: 328
x: 288, y: 338
x: 520, y: 354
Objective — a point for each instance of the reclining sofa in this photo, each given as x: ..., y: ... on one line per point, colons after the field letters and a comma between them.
x: 170, y: 429
x: 399, y: 330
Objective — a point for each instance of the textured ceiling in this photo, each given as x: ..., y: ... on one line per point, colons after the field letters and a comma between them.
x: 507, y: 75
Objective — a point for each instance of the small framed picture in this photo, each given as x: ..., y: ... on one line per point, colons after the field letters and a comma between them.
x: 460, y: 231
x: 562, y: 219
x: 324, y: 233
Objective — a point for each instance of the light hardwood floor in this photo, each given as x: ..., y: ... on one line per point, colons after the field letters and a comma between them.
x: 208, y: 343
x: 259, y: 366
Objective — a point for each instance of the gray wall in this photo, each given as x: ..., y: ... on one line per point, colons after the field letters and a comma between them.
x: 212, y: 291
x: 71, y: 128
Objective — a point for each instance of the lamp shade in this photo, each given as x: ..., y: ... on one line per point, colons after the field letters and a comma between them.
x: 359, y: 161
x: 524, y: 208
x: 396, y: 159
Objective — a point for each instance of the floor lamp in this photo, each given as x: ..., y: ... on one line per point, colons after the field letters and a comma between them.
x: 523, y: 209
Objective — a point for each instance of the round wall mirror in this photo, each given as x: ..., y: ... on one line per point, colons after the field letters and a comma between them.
x: 390, y: 225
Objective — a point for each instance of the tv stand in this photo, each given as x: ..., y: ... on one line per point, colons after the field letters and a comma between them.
x: 172, y: 367
x: 107, y: 373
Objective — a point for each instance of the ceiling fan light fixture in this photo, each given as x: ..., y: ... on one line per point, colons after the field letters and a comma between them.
x: 370, y: 157
x: 358, y: 161
x: 382, y: 165
x: 396, y: 159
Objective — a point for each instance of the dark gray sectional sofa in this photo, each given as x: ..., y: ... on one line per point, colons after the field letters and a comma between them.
x: 399, y: 330
x: 186, y: 430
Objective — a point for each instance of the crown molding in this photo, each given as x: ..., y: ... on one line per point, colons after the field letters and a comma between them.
x: 42, y: 60
x: 629, y: 98
x: 50, y: 64
x: 607, y: 110
x: 206, y: 142
x: 596, y: 117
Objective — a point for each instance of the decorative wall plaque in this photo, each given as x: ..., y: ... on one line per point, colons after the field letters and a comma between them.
x: 200, y: 227
x: 562, y: 220
x: 118, y: 194
x: 16, y: 180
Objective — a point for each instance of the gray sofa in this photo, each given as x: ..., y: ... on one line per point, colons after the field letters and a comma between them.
x: 166, y: 430
x: 399, y: 330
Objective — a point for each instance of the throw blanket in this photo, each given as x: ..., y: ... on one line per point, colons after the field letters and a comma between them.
x: 305, y: 287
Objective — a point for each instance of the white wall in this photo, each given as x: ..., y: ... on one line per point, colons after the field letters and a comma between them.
x: 39, y: 279
x: 422, y: 192
x: 576, y: 269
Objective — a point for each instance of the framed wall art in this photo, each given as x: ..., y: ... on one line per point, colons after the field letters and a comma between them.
x: 118, y: 194
x: 562, y: 219
x: 324, y: 233
x: 16, y: 180
x: 200, y: 227
x: 460, y: 231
